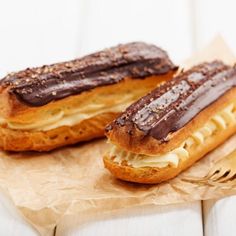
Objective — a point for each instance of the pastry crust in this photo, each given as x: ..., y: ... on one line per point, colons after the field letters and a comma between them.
x: 52, y: 106
x: 137, y: 146
x: 23, y: 140
x: 151, y: 175
x: 145, y: 144
x: 16, y: 140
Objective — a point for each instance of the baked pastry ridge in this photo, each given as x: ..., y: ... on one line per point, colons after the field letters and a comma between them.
x: 38, y: 103
x: 177, y: 130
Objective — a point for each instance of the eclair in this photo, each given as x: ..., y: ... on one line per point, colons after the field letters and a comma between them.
x: 173, y: 126
x: 52, y: 106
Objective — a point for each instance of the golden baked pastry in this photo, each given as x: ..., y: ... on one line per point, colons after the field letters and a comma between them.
x: 52, y: 106
x: 173, y: 126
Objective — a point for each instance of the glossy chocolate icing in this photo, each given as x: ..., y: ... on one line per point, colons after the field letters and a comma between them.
x: 39, y: 86
x: 169, y: 107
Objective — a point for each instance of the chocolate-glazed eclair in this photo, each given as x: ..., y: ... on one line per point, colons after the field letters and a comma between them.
x: 51, y: 106
x: 176, y: 124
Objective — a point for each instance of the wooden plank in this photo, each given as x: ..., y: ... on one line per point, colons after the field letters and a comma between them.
x: 213, y: 18
x: 165, y: 23
x: 38, y: 32
x: 183, y: 219
x: 12, y: 223
x: 219, y: 217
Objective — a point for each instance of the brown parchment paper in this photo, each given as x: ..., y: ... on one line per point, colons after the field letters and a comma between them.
x: 72, y: 181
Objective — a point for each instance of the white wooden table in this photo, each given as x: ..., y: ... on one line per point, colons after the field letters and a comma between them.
x: 41, y: 32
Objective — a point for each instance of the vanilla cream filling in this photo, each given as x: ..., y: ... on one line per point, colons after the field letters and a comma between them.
x: 71, y: 117
x: 217, y: 123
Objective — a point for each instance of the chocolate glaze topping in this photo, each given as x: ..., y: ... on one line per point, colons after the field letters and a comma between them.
x: 169, y: 107
x: 39, y: 86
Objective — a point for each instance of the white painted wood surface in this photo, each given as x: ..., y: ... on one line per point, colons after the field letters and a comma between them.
x: 41, y: 32
x: 11, y: 222
x: 112, y: 22
x: 38, y: 32
x: 220, y: 217
x: 182, y: 219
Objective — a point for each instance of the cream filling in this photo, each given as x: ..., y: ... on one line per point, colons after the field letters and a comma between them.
x: 70, y: 117
x: 218, y: 122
